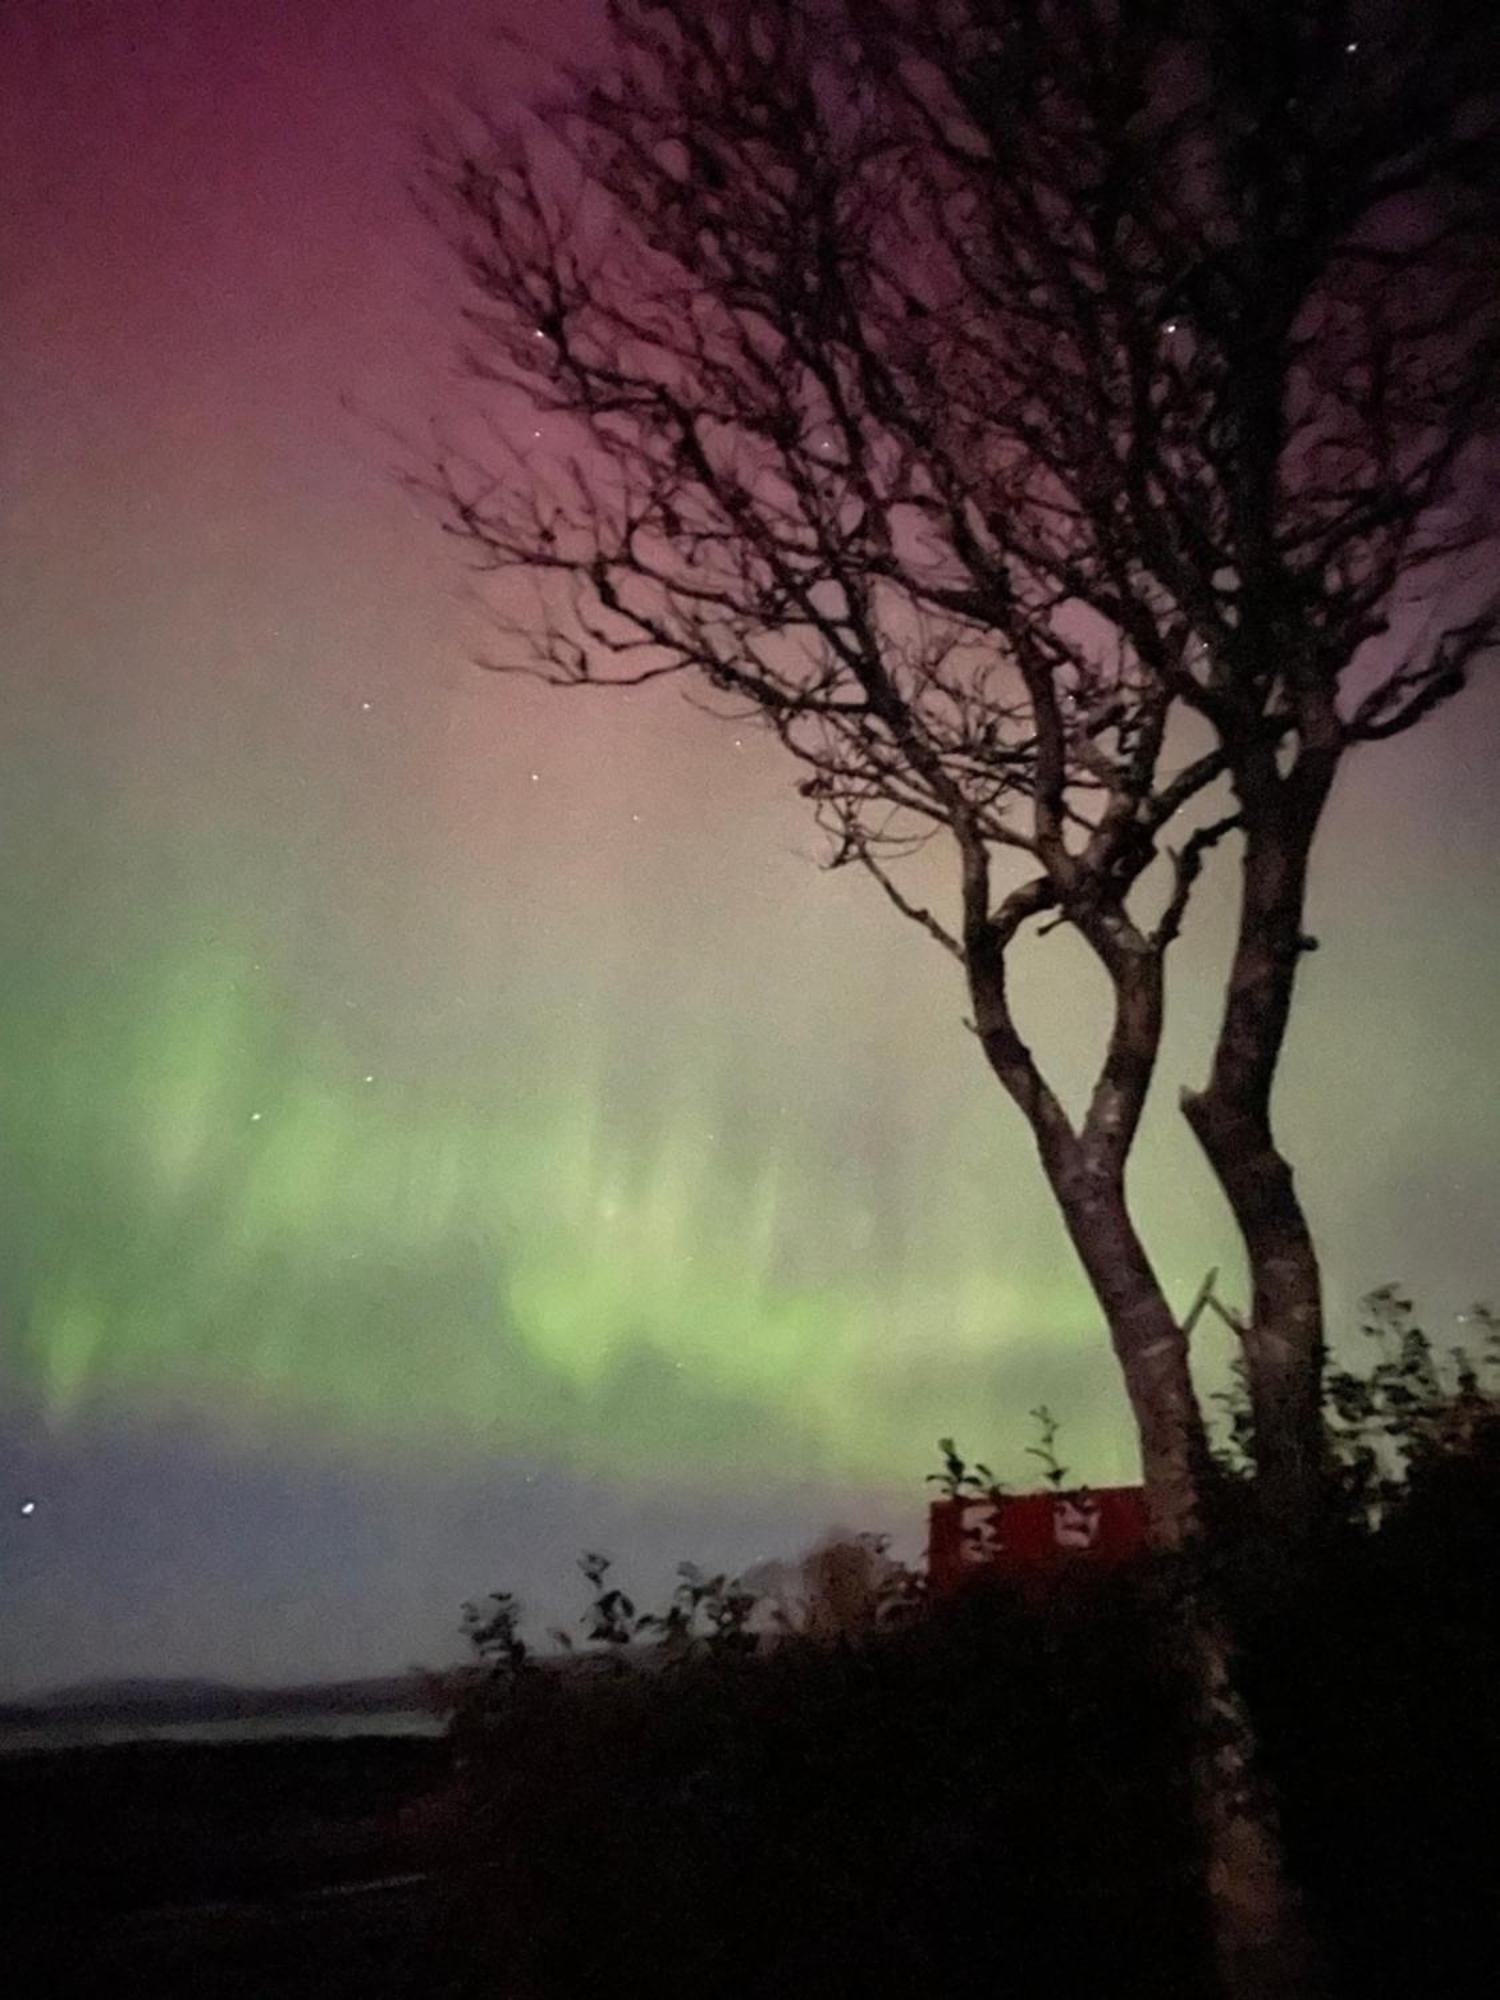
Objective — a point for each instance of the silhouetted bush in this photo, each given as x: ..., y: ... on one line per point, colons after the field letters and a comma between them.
x: 975, y: 1793
x: 992, y: 1792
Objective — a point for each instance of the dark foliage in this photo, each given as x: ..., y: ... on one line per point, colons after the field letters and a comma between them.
x: 995, y: 1791
x: 959, y: 1799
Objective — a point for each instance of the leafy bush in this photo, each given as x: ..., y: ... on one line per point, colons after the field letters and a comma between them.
x: 871, y: 1790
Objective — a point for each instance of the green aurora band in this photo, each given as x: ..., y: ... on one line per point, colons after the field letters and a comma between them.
x: 225, y: 1210
x: 617, y: 1234
x: 676, y: 1157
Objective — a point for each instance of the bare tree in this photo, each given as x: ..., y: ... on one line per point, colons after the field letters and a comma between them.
x: 1063, y: 423
x: 1067, y: 425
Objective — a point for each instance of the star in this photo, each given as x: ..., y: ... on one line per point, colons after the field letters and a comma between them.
x: 28, y: 1507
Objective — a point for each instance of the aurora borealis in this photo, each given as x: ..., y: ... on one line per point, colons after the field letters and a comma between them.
x: 448, y: 1122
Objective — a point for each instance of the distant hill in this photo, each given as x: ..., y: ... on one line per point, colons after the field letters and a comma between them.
x: 187, y: 1700
x: 142, y: 1693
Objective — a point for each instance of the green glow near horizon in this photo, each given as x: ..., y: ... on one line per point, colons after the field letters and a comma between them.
x: 653, y: 1230
x: 229, y: 1217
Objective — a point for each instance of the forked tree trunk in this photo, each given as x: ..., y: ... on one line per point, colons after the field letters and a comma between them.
x: 1260, y: 1941
x: 1262, y: 1947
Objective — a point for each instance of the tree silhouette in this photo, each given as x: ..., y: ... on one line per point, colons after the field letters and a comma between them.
x: 1068, y: 427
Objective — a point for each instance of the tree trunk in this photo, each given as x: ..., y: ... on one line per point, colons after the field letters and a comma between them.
x: 1231, y: 1118
x: 1263, y: 1948
x: 1283, y: 1341
x: 1260, y: 1943
x: 1152, y: 1351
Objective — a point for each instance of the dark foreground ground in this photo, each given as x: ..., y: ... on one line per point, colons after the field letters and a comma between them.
x: 989, y: 1802
x: 745, y: 1828
x: 254, y: 1869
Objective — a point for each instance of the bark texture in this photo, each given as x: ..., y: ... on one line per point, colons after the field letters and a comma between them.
x: 1283, y: 1338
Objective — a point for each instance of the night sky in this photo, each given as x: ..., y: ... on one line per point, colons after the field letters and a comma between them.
x: 448, y: 1123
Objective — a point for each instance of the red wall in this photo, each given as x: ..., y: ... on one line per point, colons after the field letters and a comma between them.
x: 1027, y: 1532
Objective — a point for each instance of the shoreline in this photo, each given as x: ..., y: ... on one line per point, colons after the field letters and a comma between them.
x: 62, y: 1734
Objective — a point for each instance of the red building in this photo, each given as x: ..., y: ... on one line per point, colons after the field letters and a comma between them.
x: 1026, y: 1533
